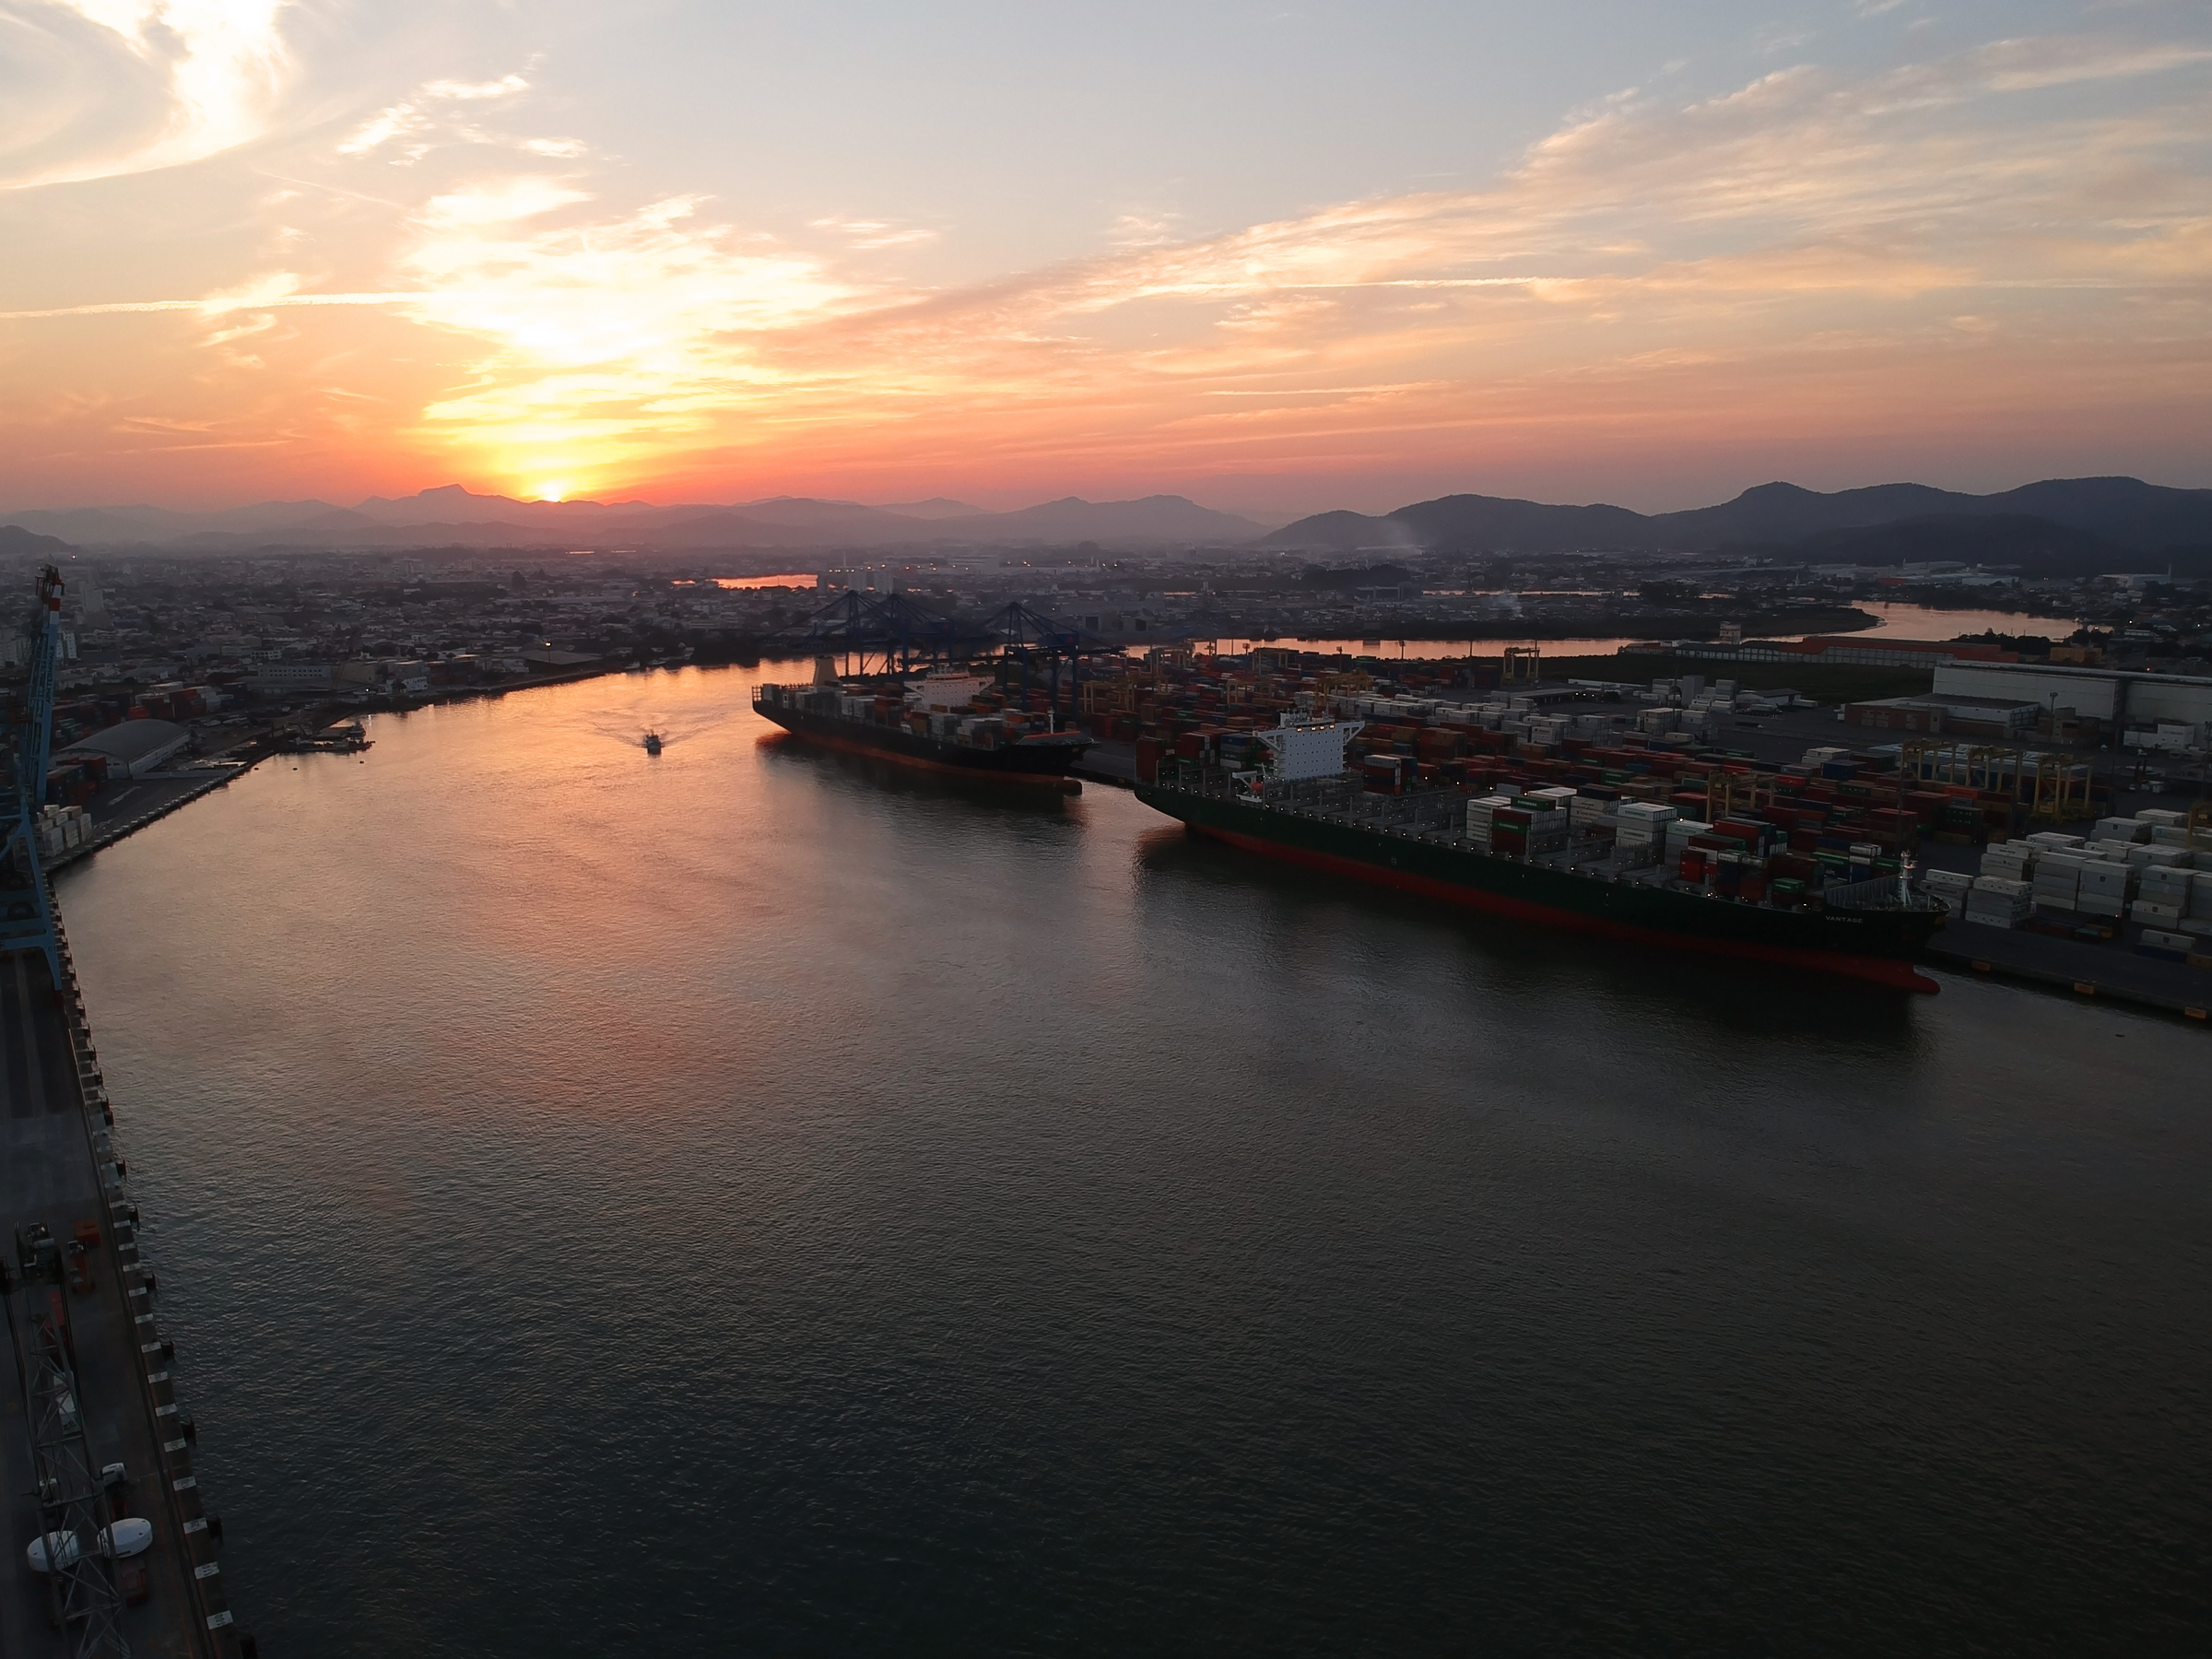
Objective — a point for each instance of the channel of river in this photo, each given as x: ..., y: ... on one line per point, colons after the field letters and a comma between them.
x: 1895, y: 621
x: 752, y: 1201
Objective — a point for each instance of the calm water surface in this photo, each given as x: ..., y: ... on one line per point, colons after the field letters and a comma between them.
x: 748, y: 1202
x: 1894, y: 620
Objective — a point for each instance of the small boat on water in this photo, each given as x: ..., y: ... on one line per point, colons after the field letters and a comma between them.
x: 652, y: 743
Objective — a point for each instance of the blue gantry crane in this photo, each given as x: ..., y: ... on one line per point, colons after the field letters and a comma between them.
x: 26, y: 906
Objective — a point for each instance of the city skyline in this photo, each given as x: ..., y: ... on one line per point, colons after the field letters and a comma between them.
x: 273, y: 251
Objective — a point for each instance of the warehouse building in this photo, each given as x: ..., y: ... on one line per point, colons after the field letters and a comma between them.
x: 1961, y: 716
x: 2115, y: 697
x: 132, y: 748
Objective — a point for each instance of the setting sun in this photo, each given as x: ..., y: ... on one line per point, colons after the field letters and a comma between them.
x: 555, y: 489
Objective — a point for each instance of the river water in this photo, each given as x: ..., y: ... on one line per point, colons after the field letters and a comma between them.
x: 752, y: 1202
x: 1894, y: 620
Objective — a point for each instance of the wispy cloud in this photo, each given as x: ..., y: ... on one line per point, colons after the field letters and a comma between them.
x: 422, y: 113
x: 865, y: 235
x: 117, y: 86
x: 1808, y: 228
x: 609, y: 336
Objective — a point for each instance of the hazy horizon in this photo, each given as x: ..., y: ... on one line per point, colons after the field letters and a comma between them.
x: 1275, y: 261
x: 613, y: 502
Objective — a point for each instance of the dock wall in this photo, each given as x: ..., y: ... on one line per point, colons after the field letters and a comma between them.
x: 191, y: 1531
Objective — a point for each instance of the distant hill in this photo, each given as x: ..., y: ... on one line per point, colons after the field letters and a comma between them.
x: 28, y: 544
x: 1343, y: 532
x: 2134, y: 518
x: 108, y: 525
x: 1160, y: 518
x: 2032, y: 547
x: 452, y: 516
x: 936, y: 507
x: 2126, y: 513
x: 452, y: 504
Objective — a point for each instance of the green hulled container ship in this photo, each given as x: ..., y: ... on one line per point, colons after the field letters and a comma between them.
x: 1303, y: 808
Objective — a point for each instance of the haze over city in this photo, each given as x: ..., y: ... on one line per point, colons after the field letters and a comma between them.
x: 1273, y: 258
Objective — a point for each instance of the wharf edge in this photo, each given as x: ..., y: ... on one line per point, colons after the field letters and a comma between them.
x: 185, y: 1531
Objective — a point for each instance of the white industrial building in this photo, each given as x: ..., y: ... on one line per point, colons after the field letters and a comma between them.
x: 132, y: 748
x: 2118, y: 697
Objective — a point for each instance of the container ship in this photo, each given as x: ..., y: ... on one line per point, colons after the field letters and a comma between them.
x: 1631, y: 870
x: 942, y: 723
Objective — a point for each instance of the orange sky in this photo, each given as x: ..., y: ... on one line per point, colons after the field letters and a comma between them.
x: 1971, y: 260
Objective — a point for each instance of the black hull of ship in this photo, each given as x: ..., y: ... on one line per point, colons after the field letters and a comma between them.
x: 1875, y: 945
x: 1044, y: 764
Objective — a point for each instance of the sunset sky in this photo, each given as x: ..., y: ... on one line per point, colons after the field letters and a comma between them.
x: 1276, y: 256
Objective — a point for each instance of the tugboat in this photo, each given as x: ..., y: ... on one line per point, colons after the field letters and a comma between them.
x: 652, y: 743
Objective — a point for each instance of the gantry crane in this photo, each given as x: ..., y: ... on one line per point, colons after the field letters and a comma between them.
x: 26, y: 906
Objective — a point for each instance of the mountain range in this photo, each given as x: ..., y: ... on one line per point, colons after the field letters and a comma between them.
x: 451, y: 515
x: 2124, y: 513
x: 2060, y: 524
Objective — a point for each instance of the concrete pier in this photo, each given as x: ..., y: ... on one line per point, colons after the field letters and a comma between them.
x: 62, y: 1166
x: 2109, y: 971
